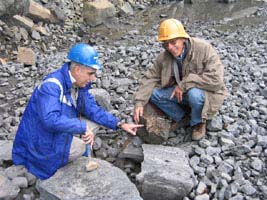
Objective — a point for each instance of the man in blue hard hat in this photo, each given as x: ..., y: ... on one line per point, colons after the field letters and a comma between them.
x: 44, y: 141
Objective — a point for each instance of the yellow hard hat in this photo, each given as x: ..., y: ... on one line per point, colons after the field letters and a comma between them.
x: 170, y: 29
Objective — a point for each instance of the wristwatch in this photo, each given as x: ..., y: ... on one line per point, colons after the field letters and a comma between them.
x: 119, y: 124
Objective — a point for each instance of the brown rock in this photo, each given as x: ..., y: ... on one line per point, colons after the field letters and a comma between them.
x: 26, y: 56
x: 157, y: 126
x: 39, y: 13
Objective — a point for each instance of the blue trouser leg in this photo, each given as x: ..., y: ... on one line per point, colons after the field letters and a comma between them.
x: 161, y: 98
x: 194, y: 98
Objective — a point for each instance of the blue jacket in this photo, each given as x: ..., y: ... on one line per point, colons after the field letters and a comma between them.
x: 44, y: 135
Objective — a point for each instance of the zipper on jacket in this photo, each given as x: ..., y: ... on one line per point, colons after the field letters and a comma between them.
x: 63, y: 157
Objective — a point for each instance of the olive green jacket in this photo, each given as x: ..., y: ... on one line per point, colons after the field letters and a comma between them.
x: 202, y: 69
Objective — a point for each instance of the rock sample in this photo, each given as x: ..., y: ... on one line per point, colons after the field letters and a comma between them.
x: 157, y: 127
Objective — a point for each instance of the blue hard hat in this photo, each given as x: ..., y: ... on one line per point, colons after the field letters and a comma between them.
x: 84, y: 54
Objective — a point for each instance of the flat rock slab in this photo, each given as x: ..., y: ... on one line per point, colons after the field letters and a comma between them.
x: 73, y: 182
x: 165, y: 173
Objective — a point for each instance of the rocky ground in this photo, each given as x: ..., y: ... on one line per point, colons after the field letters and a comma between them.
x: 230, y: 163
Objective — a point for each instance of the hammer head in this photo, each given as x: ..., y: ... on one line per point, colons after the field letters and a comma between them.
x: 91, y: 166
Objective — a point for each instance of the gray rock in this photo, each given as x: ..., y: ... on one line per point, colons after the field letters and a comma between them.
x: 7, y: 189
x: 240, y: 149
x: 97, y: 143
x: 213, y: 150
x: 226, y: 143
x: 13, y: 7
x: 21, y: 182
x: 106, y: 182
x: 102, y: 97
x: 225, y: 167
x: 157, y: 183
x: 257, y: 164
x: 132, y: 152
x: 215, y: 124
x: 207, y: 159
x: 30, y: 178
x: 105, y: 83
x: 201, y: 188
x: 36, y: 35
x: 262, y: 140
x: 204, y: 143
x: 202, y: 197
x: 137, y: 142
x: 247, y: 188
x: 194, y: 161
x: 5, y: 150
x: 95, y: 13
x: 126, y: 9
x: 15, y: 171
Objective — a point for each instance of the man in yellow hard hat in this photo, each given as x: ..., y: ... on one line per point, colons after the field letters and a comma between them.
x: 188, y: 73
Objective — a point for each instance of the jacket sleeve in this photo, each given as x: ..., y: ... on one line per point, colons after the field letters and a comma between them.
x: 151, y: 78
x: 49, y: 109
x: 88, y: 107
x: 212, y: 77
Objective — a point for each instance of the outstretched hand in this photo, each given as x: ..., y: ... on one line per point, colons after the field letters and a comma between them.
x: 131, y: 128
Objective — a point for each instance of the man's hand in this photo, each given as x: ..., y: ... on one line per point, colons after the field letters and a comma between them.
x: 131, y: 128
x: 138, y: 112
x: 88, y: 137
x: 178, y: 93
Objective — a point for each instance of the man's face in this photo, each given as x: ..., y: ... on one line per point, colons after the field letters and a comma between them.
x: 174, y: 46
x: 84, y: 75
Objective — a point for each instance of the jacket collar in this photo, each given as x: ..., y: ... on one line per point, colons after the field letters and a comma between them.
x: 189, y: 49
x: 65, y: 71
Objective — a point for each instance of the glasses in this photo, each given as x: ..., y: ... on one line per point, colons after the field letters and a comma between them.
x: 172, y: 42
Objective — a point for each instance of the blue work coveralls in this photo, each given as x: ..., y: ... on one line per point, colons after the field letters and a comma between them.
x: 43, y: 140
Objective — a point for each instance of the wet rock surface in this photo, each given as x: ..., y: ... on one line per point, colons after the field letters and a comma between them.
x: 229, y: 163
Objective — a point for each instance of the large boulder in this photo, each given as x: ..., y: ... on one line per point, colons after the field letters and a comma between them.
x: 165, y: 173
x: 73, y: 182
x: 95, y: 13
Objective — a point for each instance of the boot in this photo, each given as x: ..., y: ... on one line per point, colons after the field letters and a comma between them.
x: 199, y: 131
x: 91, y: 166
x: 183, y: 122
